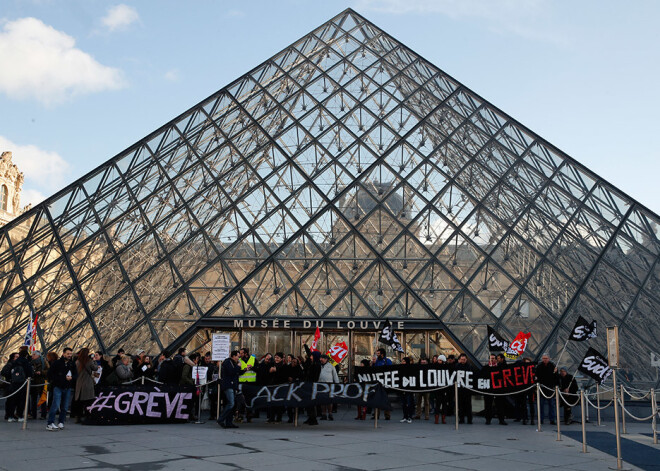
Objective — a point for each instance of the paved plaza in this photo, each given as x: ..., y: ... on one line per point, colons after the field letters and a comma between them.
x: 342, y: 445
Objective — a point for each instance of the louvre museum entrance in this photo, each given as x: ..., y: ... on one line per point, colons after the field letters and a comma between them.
x: 361, y: 344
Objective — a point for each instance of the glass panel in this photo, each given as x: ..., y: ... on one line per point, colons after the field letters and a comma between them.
x: 279, y: 341
x: 415, y: 345
x: 256, y: 341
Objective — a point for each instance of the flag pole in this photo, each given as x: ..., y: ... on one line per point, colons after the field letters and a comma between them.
x: 561, y: 354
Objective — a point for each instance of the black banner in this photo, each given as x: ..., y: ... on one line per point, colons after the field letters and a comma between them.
x: 306, y: 394
x: 583, y: 330
x: 595, y: 365
x: 141, y: 405
x: 496, y: 342
x: 424, y: 378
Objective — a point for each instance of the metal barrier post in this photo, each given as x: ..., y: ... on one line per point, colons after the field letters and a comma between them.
x: 456, y: 403
x: 654, y: 406
x: 142, y: 380
x: 295, y: 419
x: 557, y: 412
x: 538, y: 407
x: 619, y: 461
x: 623, y: 412
x: 376, y: 414
x: 584, y: 429
x: 598, y: 402
x: 217, y: 411
x: 27, y: 399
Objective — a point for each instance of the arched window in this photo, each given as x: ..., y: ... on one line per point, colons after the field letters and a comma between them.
x: 4, y: 197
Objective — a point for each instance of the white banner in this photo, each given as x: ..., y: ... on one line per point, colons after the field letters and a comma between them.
x: 220, y: 346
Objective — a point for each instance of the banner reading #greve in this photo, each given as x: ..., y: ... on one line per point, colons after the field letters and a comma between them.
x: 141, y: 405
x: 424, y: 378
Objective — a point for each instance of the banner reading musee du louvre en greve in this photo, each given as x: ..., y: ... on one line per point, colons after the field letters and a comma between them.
x: 420, y: 378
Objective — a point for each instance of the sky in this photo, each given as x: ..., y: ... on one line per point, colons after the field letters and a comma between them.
x: 80, y: 81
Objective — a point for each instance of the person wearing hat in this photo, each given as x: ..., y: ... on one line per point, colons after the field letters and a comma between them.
x: 567, y: 385
x: 440, y: 397
x: 142, y: 365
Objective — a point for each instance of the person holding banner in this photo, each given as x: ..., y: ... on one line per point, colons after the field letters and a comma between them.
x: 328, y: 375
x: 494, y: 364
x: 382, y: 360
x: 464, y: 395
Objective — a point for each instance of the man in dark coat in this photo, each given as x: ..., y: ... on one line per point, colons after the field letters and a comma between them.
x: 546, y: 376
x: 62, y: 375
x: 312, y: 373
x: 167, y: 370
x: 229, y: 373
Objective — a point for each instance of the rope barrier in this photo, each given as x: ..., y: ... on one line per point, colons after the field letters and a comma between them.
x: 15, y: 392
x: 543, y: 394
x: 561, y: 396
x: 623, y: 408
x: 635, y: 397
x: 596, y: 407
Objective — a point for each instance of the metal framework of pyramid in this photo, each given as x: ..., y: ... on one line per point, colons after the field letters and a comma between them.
x: 344, y: 178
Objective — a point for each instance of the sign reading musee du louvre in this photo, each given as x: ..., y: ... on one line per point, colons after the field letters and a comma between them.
x: 420, y: 378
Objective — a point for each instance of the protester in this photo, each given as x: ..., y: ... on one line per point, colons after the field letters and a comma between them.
x: 84, y: 393
x: 40, y: 369
x: 382, y: 360
x: 124, y: 371
x: 407, y: 398
x: 494, y: 364
x: 142, y: 365
x: 464, y: 395
x: 567, y: 385
x: 20, y: 369
x: 116, y: 360
x: 61, y: 375
x: 230, y: 371
x: 312, y: 373
x: 440, y: 397
x: 103, y: 369
x: 422, y: 399
x: 546, y: 376
x: 328, y: 374
x: 167, y: 370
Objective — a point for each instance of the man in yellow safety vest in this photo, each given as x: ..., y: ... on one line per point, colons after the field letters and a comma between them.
x: 247, y: 363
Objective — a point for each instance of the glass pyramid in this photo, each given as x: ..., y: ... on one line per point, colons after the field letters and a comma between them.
x: 344, y: 178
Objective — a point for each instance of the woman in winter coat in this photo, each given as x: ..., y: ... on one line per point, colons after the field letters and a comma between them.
x: 84, y: 393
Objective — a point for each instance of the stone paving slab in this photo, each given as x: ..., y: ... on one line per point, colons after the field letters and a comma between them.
x: 342, y: 445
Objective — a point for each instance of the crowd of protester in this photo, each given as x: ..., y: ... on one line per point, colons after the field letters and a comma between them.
x: 74, y: 380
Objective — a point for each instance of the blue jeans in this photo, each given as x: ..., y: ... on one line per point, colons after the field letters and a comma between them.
x: 226, y: 415
x: 61, y: 399
x: 551, y: 406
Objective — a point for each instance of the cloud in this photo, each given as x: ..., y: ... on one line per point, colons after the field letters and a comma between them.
x: 120, y: 17
x: 44, y: 171
x: 43, y: 64
x: 525, y: 18
x: 172, y: 75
